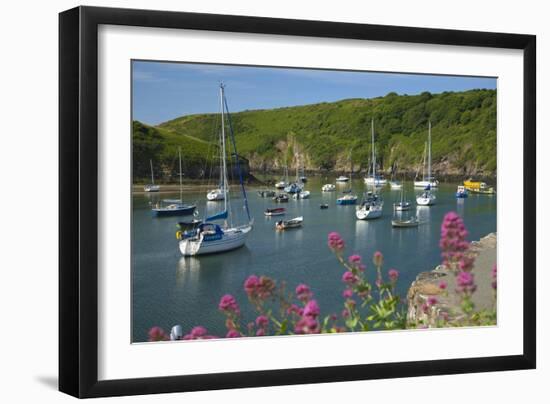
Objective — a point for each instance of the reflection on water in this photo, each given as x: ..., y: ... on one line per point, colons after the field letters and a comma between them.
x: 169, y: 289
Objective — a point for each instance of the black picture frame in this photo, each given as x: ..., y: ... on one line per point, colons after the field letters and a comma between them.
x: 78, y: 196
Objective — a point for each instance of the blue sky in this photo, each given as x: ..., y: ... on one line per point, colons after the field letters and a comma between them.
x: 163, y: 91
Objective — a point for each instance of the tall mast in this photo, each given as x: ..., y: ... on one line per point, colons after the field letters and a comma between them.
x: 430, y: 151
x: 152, y: 176
x: 224, y: 168
x: 373, y: 156
x: 181, y: 185
x: 424, y: 162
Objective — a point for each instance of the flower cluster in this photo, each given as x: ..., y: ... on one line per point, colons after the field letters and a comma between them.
x: 259, y: 288
x: 228, y: 304
x: 303, y: 293
x: 198, y: 332
x: 157, y: 334
x: 335, y: 242
x: 494, y: 277
x: 453, y: 243
x: 308, y: 323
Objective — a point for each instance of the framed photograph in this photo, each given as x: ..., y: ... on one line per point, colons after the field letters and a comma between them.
x: 251, y: 201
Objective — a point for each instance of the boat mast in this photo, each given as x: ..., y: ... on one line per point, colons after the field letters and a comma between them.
x: 424, y: 163
x: 181, y: 185
x: 224, y: 167
x: 430, y: 151
x: 152, y: 176
x: 373, y: 156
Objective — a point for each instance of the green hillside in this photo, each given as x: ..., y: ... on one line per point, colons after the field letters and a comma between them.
x: 161, y: 145
x: 320, y: 136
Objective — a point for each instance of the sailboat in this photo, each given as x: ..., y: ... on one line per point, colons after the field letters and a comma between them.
x: 151, y: 187
x: 395, y: 184
x: 218, y: 194
x: 174, y: 207
x: 376, y: 180
x: 427, y: 198
x: 349, y: 198
x: 428, y: 180
x: 284, y: 182
x: 403, y: 204
x: 371, y: 207
x: 296, y: 187
x: 210, y: 237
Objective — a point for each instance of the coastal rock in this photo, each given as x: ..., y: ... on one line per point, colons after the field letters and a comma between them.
x: 427, y: 285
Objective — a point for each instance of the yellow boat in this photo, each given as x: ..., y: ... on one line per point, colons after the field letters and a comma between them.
x: 478, y: 187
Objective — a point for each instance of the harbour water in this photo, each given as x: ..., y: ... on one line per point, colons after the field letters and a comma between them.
x: 169, y: 289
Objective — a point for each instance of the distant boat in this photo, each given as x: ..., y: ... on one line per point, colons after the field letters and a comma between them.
x: 293, y: 188
x: 426, y: 198
x: 342, y: 178
x: 274, y: 211
x: 284, y: 182
x: 372, y: 204
x: 323, y: 206
x: 289, y: 224
x: 302, y: 195
x: 412, y: 222
x: 215, y: 195
x: 403, y: 204
x: 328, y: 188
x: 151, y: 187
x: 478, y: 187
x: 427, y: 180
x: 211, y: 237
x: 349, y: 198
x: 280, y: 198
x: 461, y: 192
x: 395, y: 185
x: 174, y: 207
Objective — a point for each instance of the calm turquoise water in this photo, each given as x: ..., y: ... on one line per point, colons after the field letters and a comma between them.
x: 169, y: 289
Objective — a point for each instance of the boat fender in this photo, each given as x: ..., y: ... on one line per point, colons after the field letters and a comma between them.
x: 178, y: 235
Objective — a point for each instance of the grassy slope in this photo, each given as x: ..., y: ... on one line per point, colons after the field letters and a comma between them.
x: 463, y: 132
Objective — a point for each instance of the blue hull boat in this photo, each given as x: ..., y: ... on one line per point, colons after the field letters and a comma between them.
x: 174, y: 211
x: 346, y: 201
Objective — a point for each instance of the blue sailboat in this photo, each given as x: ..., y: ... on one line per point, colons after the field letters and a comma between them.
x: 174, y: 207
x: 211, y: 237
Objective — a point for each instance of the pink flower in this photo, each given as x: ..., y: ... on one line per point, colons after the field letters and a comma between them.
x: 442, y: 285
x: 335, y: 242
x: 311, y: 309
x: 453, y: 243
x: 307, y: 325
x: 465, y: 283
x: 260, y: 332
x: 198, y: 332
x: 303, y: 292
x: 262, y: 321
x: 378, y: 259
x: 425, y: 308
x: 250, y: 284
x: 232, y: 334
x: 294, y: 309
x: 347, y: 293
x: 354, y: 259
x: 345, y: 313
x: 494, y: 277
x: 229, y: 304
x: 349, y: 278
x: 157, y: 334
x: 393, y: 274
x: 432, y: 301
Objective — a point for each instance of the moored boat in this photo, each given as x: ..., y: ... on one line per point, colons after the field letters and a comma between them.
x: 323, y: 206
x: 411, y: 222
x: 289, y: 224
x: 461, y: 192
x: 302, y: 195
x: 274, y: 211
x: 174, y: 207
x: 266, y: 193
x: 210, y: 237
x: 215, y: 195
x: 328, y: 188
x: 152, y: 187
x: 478, y: 187
x: 342, y: 178
x: 427, y: 179
x: 280, y: 198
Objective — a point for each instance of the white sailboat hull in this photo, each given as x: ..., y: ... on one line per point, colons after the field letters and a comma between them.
x: 231, y: 239
x: 215, y: 195
x: 425, y: 201
x: 372, y: 212
x: 151, y: 188
x: 373, y: 181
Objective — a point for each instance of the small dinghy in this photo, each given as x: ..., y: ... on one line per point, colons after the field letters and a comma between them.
x: 274, y: 211
x: 412, y: 222
x: 302, y: 195
x: 323, y: 206
x: 289, y: 224
x: 328, y: 188
x: 280, y: 198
